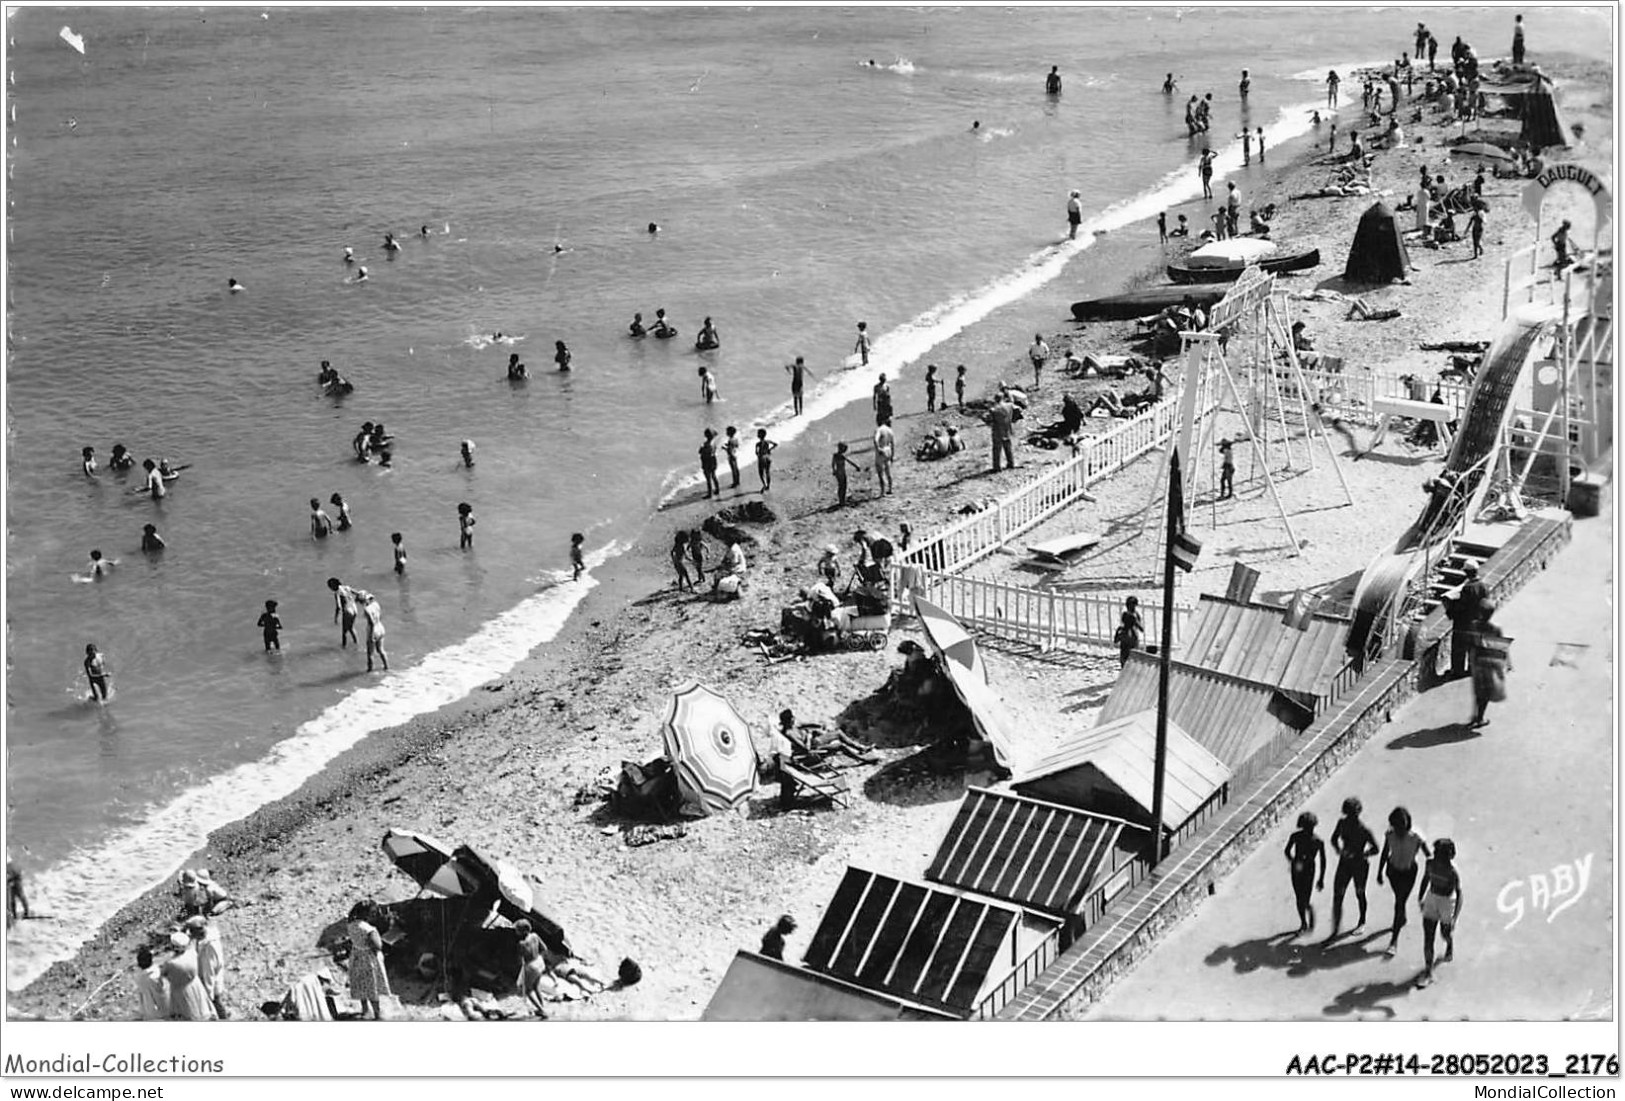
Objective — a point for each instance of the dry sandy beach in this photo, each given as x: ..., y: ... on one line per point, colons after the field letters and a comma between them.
x: 502, y: 771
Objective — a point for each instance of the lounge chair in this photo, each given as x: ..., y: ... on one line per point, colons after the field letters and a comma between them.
x: 818, y: 788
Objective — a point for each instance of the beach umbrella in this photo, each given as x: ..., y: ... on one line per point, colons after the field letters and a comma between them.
x: 431, y: 863
x: 949, y: 638
x: 710, y: 750
x: 505, y: 887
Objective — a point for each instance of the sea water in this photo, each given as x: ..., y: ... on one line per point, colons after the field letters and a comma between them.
x: 798, y: 189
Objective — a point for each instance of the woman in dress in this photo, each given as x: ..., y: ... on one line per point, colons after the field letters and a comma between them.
x: 188, y: 998
x: 1440, y: 899
x: 1400, y: 845
x: 369, y: 982
x: 1303, y: 851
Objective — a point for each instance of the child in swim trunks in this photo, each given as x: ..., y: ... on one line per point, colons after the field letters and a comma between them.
x: 465, y: 525
x: 861, y: 348
x: 271, y: 626
x: 400, y: 551
x: 95, y: 672
x: 764, y: 459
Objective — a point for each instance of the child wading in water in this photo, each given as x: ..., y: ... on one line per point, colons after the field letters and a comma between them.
x: 400, y: 551
x: 959, y: 387
x: 465, y: 525
x: 577, y: 563
x: 862, y: 346
x: 1303, y: 850
x: 96, y: 672
x: 270, y: 625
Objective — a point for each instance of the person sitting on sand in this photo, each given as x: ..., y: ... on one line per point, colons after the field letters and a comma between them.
x: 1257, y: 226
x: 729, y: 579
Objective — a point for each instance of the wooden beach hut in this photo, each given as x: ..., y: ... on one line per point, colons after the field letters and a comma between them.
x: 1307, y: 661
x: 758, y: 988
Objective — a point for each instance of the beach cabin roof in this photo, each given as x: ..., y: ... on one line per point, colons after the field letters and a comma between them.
x: 1230, y: 717
x: 1254, y: 642
x: 1039, y: 855
x: 916, y: 942
x: 1124, y: 751
x: 757, y: 988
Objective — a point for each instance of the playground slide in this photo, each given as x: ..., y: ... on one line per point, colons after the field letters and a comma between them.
x: 1472, y: 461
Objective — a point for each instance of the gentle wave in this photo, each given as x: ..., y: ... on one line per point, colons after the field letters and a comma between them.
x: 93, y: 883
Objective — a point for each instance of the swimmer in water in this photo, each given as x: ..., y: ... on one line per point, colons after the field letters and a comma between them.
x: 379, y: 438
x: 400, y: 551
x: 976, y: 125
x: 386, y: 460
x: 663, y: 329
x: 96, y: 672
x: 516, y: 370
x: 170, y: 473
x: 375, y: 629
x: 708, y: 386
x: 390, y: 244
x: 361, y: 274
x: 362, y: 444
x: 654, y: 227
x: 468, y: 452
x: 270, y: 626
x: 349, y: 255
x: 561, y: 355
x: 338, y: 502
x: 99, y: 566
x: 121, y: 459
x: 423, y: 231
x: 87, y: 456
x: 320, y: 523
x: 636, y: 328
x: 155, y: 481
x: 465, y: 526
x: 233, y: 286
x: 708, y: 337
x: 150, y: 539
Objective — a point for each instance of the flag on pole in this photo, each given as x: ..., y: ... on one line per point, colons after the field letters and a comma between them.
x: 1183, y: 548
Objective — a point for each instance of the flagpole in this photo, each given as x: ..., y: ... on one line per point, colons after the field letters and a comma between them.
x: 1165, y: 658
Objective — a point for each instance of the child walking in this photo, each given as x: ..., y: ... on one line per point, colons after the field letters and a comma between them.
x: 95, y: 672
x: 764, y: 459
x: 577, y: 563
x: 271, y: 626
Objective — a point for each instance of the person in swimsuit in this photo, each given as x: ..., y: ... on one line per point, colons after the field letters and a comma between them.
x: 467, y: 451
x: 708, y: 386
x: 87, y: 456
x: 1440, y: 900
x: 344, y: 611
x: 99, y: 566
x: 885, y: 443
x: 861, y: 348
x: 362, y: 444
x: 338, y: 502
x: 798, y: 372
x: 1052, y: 82
x: 465, y: 526
x: 959, y: 386
x: 839, y: 463
x: 679, y: 555
x: 708, y: 338
x: 708, y: 463
x: 516, y: 371
x: 1204, y: 168
x: 730, y: 448
x: 155, y: 480
x: 1303, y: 851
x: 1246, y: 84
x: 96, y: 672
x: 321, y: 525
x: 150, y: 539
x: 375, y: 629
x: 764, y: 459
x: 561, y: 355
x: 931, y: 384
x: 636, y: 328
x: 400, y: 551
x: 349, y: 255
x: 233, y: 286
x: 663, y: 329
x: 578, y: 564
x: 1130, y: 630
x: 1354, y: 845
x: 390, y: 244
x: 696, y: 553
x: 270, y: 627
x: 1400, y: 846
x: 1169, y: 84
x: 121, y: 459
x: 1332, y: 81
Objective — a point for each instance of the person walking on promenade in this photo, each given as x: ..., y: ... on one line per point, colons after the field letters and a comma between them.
x: 1303, y: 851
x: 1440, y: 902
x: 1130, y: 630
x: 1491, y: 662
x: 1354, y: 845
x: 838, y: 464
x: 708, y: 463
x: 1002, y: 417
x: 1400, y: 846
x: 1466, y: 611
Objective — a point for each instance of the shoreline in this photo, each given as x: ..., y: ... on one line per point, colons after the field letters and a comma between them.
x: 589, y: 649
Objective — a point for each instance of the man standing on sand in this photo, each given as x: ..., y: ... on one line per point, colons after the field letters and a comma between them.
x: 1038, y: 352
x: 885, y: 452
x: 1002, y: 417
x: 798, y: 370
x: 1233, y: 208
x: 838, y: 464
x: 1074, y: 215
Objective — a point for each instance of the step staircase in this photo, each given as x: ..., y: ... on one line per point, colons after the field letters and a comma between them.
x: 1451, y: 572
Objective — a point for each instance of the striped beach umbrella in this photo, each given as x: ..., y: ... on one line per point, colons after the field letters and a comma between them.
x: 430, y: 863
x: 710, y: 750
x: 949, y: 638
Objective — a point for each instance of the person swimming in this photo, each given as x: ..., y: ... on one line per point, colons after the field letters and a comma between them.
x: 663, y: 329
x: 708, y: 338
x: 331, y: 382
x: 361, y: 274
x: 467, y: 451
x: 379, y: 440
x: 516, y: 371
x: 561, y: 355
x: 349, y: 255
x: 423, y: 231
x: 636, y: 328
x: 654, y: 227
x: 87, y: 456
x: 121, y: 459
x: 154, y: 485
x: 390, y: 244
x: 170, y: 473
x: 233, y: 286
x: 150, y: 539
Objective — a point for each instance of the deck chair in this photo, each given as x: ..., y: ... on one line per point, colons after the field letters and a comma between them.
x: 818, y: 788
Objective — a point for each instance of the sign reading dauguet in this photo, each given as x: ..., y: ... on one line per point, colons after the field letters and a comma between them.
x: 1535, y: 193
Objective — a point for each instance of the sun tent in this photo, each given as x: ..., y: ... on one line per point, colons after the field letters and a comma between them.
x: 1040, y: 856
x: 915, y: 942
x: 1110, y: 769
x: 1543, y: 123
x: 1378, y: 253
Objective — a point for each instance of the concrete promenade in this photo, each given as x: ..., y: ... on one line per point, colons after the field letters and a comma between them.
x: 1528, y: 800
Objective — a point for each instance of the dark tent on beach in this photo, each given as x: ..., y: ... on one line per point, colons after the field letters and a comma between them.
x: 1378, y: 254
x: 1543, y: 124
